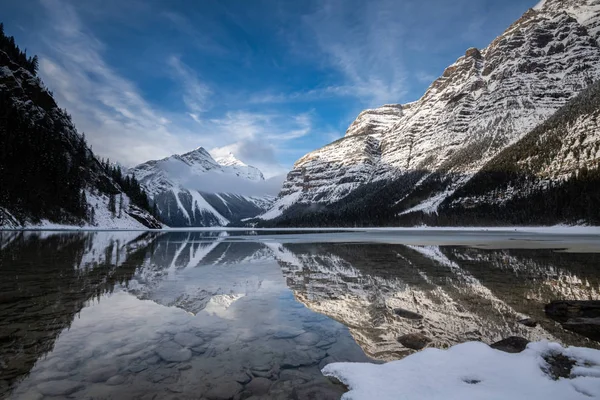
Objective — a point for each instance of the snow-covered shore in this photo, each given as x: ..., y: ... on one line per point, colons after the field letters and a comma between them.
x: 473, y: 371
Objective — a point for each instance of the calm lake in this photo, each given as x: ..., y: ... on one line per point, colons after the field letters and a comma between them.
x: 247, y: 314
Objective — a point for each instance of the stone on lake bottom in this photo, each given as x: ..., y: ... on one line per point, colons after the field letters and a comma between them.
x: 308, y: 339
x: 186, y: 339
x: 407, y: 314
x: 116, y: 380
x: 312, y: 391
x: 224, y: 391
x: 172, y: 352
x: 59, y: 388
x: 242, y: 378
x: 288, y: 333
x: 415, y: 341
x: 102, y: 374
x: 528, y: 322
x: 259, y: 386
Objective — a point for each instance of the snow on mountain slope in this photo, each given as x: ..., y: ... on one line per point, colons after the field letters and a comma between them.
x: 485, y: 101
x: 376, y: 121
x: 587, y: 12
x: 194, y: 189
x: 239, y: 168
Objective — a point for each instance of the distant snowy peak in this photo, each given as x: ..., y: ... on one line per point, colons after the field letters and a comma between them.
x: 194, y: 189
x: 239, y: 168
x: 159, y: 176
x: 230, y: 161
x: 200, y: 159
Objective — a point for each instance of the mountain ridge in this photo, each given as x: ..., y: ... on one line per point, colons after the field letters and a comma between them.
x: 485, y: 101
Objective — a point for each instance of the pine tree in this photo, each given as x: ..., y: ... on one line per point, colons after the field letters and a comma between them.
x: 112, y: 205
x: 120, y: 205
x: 83, y: 204
x: 35, y: 65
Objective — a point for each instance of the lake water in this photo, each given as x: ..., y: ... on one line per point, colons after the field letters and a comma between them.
x: 237, y: 315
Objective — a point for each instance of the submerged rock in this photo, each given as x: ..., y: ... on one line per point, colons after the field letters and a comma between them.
x: 308, y: 339
x: 582, y: 317
x: 317, y: 391
x: 563, y: 310
x: 224, y: 391
x: 59, y: 388
x: 187, y: 339
x: 415, y: 341
x: 513, y: 344
x: 116, y: 380
x: 259, y: 386
x: 172, y: 352
x: 407, y: 314
x: 102, y: 374
x: 528, y: 322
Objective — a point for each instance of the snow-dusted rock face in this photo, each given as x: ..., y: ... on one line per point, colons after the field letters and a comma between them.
x: 482, y: 103
x: 177, y: 186
x: 376, y: 121
x: 587, y: 12
x: 552, y: 161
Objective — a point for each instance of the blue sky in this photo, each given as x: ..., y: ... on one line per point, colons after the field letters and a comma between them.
x: 267, y: 80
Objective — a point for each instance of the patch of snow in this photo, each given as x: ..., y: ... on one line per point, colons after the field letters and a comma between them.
x: 280, y: 205
x: 539, y: 5
x: 199, y: 203
x: 180, y: 205
x: 472, y: 371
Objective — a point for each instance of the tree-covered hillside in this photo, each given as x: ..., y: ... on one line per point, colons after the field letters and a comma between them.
x: 47, y: 170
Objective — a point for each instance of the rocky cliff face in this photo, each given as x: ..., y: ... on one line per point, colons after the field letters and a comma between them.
x: 554, y: 170
x: 485, y: 101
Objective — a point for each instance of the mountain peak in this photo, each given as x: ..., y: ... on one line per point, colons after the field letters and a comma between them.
x: 230, y: 160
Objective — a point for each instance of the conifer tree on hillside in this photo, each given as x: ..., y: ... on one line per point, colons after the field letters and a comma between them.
x: 112, y: 205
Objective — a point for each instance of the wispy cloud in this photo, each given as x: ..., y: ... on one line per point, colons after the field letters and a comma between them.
x: 195, y: 93
x: 122, y: 124
x: 362, y: 40
x: 106, y: 106
x: 260, y: 137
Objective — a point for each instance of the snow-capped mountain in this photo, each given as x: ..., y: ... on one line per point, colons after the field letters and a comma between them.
x: 422, y: 152
x: 194, y: 189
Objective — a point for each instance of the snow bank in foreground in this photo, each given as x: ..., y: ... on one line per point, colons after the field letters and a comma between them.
x: 472, y: 371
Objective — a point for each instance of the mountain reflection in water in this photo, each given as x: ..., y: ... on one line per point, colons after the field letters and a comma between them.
x: 192, y: 314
